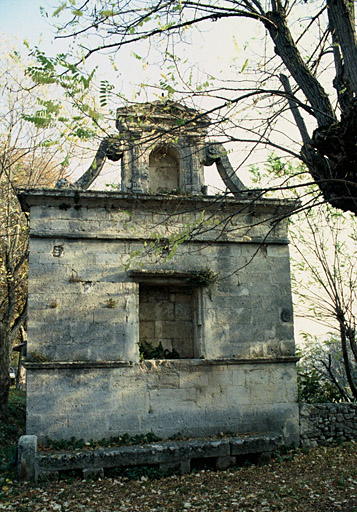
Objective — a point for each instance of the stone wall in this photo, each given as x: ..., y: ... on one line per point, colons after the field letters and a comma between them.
x: 85, y: 376
x: 321, y: 424
x: 166, y: 316
x: 80, y: 249
x: 190, y: 397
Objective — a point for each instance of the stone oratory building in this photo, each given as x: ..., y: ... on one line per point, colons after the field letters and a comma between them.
x: 159, y: 308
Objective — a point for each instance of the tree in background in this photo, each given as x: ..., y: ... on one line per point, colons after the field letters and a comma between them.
x: 321, y: 371
x: 307, y: 66
x: 325, y: 286
x: 30, y: 156
x: 324, y: 281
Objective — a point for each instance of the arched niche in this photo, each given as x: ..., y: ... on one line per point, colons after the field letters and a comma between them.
x: 164, y: 169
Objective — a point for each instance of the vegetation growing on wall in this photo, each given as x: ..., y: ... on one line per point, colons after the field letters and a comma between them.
x: 148, y: 351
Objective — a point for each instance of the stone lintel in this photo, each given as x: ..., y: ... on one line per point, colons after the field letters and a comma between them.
x: 163, y: 276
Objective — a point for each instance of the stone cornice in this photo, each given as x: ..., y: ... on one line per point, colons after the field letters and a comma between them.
x: 247, y: 202
x: 58, y: 365
x: 115, y: 236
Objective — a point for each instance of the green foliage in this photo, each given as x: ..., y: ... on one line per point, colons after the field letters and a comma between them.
x: 285, y: 453
x: 148, y: 351
x: 105, y: 92
x: 63, y: 444
x: 321, y: 372
x: 59, y: 9
x: 314, y: 389
x: 107, y: 13
x: 165, y: 248
x: 205, y: 277
x: 31, y: 153
x: 276, y: 169
x: 111, y: 303
x: 70, y: 84
x: 167, y: 87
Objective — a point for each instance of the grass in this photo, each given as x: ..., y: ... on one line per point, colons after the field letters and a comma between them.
x: 323, y: 479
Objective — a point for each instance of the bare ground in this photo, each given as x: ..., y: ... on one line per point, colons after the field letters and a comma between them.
x: 325, y: 479
x: 321, y: 480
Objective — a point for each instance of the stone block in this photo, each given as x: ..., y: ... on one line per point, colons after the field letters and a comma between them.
x: 165, y: 329
x: 203, y: 448
x: 147, y: 331
x: 26, y: 462
x: 163, y: 379
x: 278, y: 251
x: 239, y: 395
x: 172, y: 399
x: 185, y: 397
x: 182, y: 467
x: 193, y: 379
x: 220, y: 377
x: 146, y: 311
x: 183, y: 298
x: 184, y: 347
x: 183, y: 311
x: 92, y: 473
x: 43, y: 475
x: 183, y: 330
x: 264, y: 458
x: 223, y: 463
x: 128, y: 423
x: 254, y: 444
x: 164, y: 311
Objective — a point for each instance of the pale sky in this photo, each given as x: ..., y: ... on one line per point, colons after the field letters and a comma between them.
x: 22, y: 18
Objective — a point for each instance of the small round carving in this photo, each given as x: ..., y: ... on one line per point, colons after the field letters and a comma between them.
x: 286, y: 315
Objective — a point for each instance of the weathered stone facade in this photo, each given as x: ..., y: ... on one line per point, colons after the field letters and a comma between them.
x: 321, y: 424
x: 104, y: 277
x: 84, y: 370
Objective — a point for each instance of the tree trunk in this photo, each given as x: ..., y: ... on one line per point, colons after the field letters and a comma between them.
x: 342, y: 23
x: 332, y: 161
x: 331, y: 154
x: 346, y: 360
x: 4, y: 372
x: 286, y: 49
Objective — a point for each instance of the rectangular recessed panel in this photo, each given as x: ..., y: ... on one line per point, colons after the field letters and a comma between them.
x: 166, y: 318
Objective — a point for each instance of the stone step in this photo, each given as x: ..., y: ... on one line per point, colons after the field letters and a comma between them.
x: 178, y: 456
